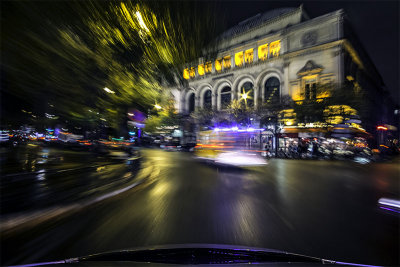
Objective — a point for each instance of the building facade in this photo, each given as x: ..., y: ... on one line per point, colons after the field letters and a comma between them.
x: 281, y: 53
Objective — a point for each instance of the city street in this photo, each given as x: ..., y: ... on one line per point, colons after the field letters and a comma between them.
x: 326, y: 209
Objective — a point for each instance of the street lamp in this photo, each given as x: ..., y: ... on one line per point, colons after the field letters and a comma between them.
x: 108, y: 90
x: 245, y: 96
x: 157, y: 106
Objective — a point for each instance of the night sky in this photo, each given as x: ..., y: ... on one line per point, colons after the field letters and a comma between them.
x: 376, y: 24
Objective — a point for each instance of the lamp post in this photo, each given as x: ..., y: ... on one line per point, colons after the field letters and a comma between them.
x: 108, y: 90
x: 244, y: 96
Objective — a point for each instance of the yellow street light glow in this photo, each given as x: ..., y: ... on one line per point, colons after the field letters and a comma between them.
x: 130, y: 114
x: 157, y: 106
x: 108, y: 90
x: 141, y: 22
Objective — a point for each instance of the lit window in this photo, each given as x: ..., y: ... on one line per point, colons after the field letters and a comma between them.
x: 227, y: 62
x: 239, y: 59
x: 248, y: 56
x: 310, y: 87
x: 274, y: 48
x: 263, y: 52
x: 192, y: 72
x: 200, y: 69
x: 208, y: 67
x: 218, y: 65
x: 186, y: 74
x: 272, y: 90
x: 225, y: 97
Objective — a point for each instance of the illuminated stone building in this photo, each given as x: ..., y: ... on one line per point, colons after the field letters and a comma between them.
x: 277, y: 53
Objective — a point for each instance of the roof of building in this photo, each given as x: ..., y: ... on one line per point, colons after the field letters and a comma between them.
x: 256, y: 20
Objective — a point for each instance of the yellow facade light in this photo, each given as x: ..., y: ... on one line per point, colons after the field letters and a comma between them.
x: 192, y: 72
x: 239, y: 59
x: 263, y: 52
x: 200, y: 69
x: 289, y: 122
x: 248, y: 56
x: 227, y: 62
x: 275, y: 48
x: 324, y: 94
x: 218, y: 65
x: 208, y: 67
x: 186, y: 74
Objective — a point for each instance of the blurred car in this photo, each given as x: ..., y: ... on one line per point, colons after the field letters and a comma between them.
x: 240, y: 159
x: 171, y: 146
x: 4, y: 138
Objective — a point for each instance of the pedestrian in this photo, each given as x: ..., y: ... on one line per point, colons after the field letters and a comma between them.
x: 315, y: 149
x: 299, y: 149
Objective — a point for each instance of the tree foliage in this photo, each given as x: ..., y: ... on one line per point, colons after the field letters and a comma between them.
x: 60, y: 55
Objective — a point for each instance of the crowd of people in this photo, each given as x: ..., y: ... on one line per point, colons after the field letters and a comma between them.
x: 324, y: 148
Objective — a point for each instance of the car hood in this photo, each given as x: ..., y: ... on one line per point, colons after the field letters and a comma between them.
x: 194, y: 254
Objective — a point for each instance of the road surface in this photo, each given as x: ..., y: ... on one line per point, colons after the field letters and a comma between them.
x: 317, y: 208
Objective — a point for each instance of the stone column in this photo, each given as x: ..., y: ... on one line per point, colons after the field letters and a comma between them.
x: 256, y: 96
x: 196, y: 101
x: 287, y: 90
x: 255, y: 54
x: 340, y: 66
x: 212, y: 66
x: 214, y: 101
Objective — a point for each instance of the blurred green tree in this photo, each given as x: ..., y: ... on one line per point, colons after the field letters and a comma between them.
x: 61, y: 55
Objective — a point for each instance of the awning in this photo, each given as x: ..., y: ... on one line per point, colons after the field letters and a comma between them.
x: 304, y: 132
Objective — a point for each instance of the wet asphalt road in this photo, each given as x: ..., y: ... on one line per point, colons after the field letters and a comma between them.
x: 317, y: 208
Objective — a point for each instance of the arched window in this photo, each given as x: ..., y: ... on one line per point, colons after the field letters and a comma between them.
x: 272, y: 90
x: 207, y: 102
x: 225, y: 97
x: 191, y: 103
x: 248, y: 93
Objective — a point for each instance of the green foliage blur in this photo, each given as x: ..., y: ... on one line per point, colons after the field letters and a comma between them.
x: 57, y: 57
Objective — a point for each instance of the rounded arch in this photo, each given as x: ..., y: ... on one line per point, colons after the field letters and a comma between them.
x: 264, y: 76
x: 201, y: 91
x: 248, y: 88
x: 190, y: 100
x: 225, y: 97
x: 272, y: 90
x: 240, y: 80
x: 221, y: 83
x: 206, y: 98
x: 217, y: 91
